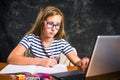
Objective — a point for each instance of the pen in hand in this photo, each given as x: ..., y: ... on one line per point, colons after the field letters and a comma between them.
x: 52, y: 56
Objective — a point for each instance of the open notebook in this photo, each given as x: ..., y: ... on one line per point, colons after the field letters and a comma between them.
x: 105, y: 57
x: 32, y: 69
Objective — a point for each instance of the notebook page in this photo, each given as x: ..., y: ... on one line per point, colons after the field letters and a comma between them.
x: 56, y: 69
x: 10, y: 68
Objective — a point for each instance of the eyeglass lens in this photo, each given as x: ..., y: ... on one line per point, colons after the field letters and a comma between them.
x: 51, y: 25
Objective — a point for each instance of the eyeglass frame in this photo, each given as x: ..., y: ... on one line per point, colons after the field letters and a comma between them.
x: 51, y: 24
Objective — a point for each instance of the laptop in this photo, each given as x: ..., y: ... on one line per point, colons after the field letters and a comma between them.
x: 105, y: 57
x: 70, y: 75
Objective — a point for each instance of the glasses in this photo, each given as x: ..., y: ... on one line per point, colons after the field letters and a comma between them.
x: 52, y: 25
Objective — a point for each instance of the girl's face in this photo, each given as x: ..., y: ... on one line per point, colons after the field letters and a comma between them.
x: 51, y: 26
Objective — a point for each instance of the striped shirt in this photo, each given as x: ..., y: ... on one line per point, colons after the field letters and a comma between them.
x: 34, y: 44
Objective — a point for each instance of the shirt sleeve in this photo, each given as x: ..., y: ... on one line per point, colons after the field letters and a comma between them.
x: 67, y: 48
x: 25, y: 41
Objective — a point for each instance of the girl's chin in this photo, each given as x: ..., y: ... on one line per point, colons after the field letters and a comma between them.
x: 51, y: 37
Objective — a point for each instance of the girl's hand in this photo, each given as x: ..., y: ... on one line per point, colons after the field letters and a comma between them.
x: 48, y: 62
x: 84, y: 63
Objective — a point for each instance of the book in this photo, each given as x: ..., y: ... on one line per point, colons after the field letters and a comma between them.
x: 33, y: 69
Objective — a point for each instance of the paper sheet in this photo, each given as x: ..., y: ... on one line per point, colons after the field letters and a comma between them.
x: 32, y: 69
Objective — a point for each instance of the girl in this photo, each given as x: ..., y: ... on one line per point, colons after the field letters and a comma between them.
x: 45, y: 41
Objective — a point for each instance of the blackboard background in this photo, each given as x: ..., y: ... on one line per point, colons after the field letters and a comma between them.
x: 84, y: 21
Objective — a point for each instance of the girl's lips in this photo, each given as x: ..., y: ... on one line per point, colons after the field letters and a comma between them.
x: 52, y: 33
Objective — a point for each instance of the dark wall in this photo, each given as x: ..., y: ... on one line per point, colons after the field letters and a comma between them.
x: 84, y: 21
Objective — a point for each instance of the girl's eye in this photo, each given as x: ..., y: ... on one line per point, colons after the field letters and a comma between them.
x: 50, y: 23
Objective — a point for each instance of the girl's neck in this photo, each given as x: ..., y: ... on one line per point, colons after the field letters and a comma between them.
x: 46, y: 41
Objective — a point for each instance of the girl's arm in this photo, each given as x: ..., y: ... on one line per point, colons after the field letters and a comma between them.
x: 17, y: 57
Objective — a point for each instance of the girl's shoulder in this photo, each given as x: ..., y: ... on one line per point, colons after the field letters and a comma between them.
x: 61, y: 41
x: 31, y: 36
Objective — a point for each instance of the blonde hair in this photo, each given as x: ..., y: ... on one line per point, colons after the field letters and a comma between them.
x: 44, y: 13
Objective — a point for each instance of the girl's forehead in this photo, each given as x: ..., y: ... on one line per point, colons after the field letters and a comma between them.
x: 57, y: 18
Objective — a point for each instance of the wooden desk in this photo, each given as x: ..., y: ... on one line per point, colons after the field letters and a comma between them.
x: 111, y: 76
x: 6, y: 77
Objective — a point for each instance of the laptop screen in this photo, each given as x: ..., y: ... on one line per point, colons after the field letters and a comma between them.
x: 105, y: 57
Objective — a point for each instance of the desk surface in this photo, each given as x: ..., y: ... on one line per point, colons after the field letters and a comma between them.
x: 6, y: 77
x: 111, y: 76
